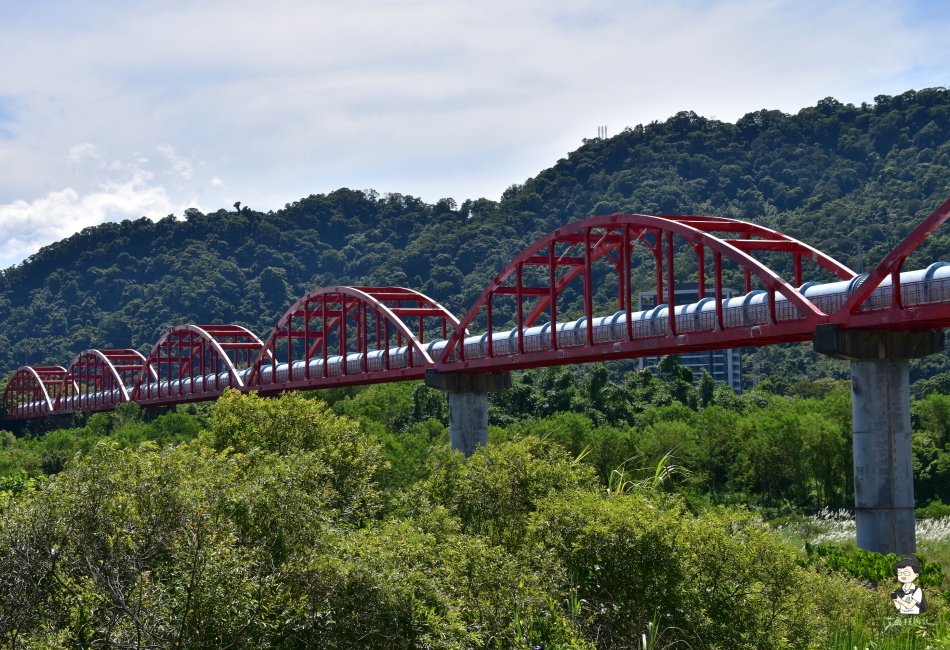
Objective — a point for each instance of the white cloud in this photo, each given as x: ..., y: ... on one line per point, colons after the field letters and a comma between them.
x: 181, y: 166
x: 27, y: 226
x: 124, y: 189
x: 82, y: 151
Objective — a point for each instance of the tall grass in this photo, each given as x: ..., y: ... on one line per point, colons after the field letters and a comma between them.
x: 837, y: 526
x: 890, y: 631
x: 898, y: 633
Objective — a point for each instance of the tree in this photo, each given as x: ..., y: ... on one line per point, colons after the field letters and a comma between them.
x: 291, y: 424
x: 494, y: 491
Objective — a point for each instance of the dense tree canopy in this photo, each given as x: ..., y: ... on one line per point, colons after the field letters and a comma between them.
x: 280, y: 523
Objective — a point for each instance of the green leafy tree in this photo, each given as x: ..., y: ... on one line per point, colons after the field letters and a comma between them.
x: 931, y: 445
x: 638, y: 563
x: 495, y: 490
x: 292, y: 424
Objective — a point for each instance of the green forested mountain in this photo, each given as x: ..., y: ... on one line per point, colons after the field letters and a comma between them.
x: 851, y: 180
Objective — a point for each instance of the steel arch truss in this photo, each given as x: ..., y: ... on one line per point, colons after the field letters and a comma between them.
x: 542, y: 273
x: 98, y: 380
x: 195, y: 362
x: 345, y: 335
x: 898, y: 306
x: 32, y: 390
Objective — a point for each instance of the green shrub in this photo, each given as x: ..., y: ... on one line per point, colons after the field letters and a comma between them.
x: 715, y: 581
x: 291, y: 424
x: 868, y: 566
x: 936, y: 509
x: 495, y: 490
x: 419, y: 583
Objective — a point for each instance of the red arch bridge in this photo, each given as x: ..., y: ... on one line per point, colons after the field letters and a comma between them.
x: 550, y: 305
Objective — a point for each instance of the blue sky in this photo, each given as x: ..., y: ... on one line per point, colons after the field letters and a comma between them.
x: 115, y: 110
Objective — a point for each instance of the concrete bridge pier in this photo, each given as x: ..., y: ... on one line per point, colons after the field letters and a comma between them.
x: 468, y: 404
x: 881, y: 429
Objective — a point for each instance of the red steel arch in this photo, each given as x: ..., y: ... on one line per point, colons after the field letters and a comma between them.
x: 570, y: 252
x: 343, y: 335
x: 194, y: 362
x: 746, y: 236
x: 31, y: 391
x: 897, y: 315
x: 98, y: 380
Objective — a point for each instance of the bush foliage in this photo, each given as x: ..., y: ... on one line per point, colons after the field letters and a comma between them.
x: 282, y: 524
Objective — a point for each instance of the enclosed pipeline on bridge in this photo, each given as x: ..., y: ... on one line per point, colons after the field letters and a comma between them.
x: 930, y: 285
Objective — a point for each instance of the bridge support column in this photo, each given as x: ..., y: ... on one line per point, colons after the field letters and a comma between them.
x: 468, y: 405
x: 881, y: 430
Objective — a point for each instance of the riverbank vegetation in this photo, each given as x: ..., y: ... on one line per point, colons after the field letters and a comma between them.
x: 346, y: 522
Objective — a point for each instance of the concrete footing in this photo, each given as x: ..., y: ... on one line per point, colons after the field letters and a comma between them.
x: 881, y: 429
x: 468, y: 405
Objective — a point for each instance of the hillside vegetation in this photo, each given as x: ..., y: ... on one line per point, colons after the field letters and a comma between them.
x: 851, y: 180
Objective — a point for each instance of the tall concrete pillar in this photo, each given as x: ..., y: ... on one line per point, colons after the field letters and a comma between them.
x: 468, y: 404
x: 881, y: 430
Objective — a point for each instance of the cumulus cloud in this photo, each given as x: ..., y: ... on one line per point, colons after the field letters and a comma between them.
x: 27, y: 226
x: 120, y: 188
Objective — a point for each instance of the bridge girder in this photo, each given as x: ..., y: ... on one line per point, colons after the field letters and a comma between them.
x: 196, y: 362
x: 31, y: 391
